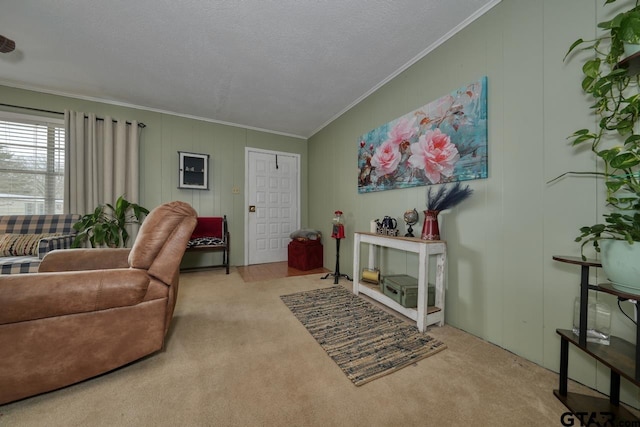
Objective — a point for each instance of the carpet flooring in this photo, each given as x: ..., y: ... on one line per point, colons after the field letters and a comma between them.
x: 235, y: 356
x: 364, y: 341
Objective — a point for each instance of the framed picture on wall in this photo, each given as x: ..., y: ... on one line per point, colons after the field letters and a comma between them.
x: 193, y: 171
x: 443, y: 141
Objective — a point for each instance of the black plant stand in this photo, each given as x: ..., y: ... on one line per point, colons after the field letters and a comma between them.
x: 620, y: 356
x: 336, y: 274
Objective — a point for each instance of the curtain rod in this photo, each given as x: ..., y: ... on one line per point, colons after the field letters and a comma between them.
x: 142, y: 125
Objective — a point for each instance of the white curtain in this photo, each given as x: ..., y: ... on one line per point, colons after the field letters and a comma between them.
x: 101, y: 161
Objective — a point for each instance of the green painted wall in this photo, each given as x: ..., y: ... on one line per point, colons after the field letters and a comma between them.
x: 502, y: 285
x: 161, y: 140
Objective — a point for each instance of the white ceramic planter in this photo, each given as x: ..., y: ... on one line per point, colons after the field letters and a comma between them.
x: 621, y: 264
x: 630, y: 49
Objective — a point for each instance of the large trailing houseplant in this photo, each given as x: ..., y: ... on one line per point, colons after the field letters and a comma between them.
x: 611, y: 79
x: 617, y: 105
x: 107, y: 224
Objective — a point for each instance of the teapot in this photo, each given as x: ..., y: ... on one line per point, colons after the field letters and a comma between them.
x: 389, y: 223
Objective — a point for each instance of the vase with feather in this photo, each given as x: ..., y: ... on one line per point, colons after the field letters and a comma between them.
x: 430, y: 229
x: 445, y: 198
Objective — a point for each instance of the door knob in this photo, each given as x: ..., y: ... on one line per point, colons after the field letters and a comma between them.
x: 252, y: 208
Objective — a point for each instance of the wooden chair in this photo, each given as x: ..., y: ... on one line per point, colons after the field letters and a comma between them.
x: 211, y: 235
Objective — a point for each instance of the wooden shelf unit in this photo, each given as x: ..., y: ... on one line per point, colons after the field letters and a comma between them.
x: 424, y: 315
x: 620, y: 356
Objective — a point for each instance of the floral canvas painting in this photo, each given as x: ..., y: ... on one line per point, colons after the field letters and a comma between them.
x: 444, y: 141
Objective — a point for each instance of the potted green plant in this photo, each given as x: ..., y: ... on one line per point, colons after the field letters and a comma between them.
x: 107, y: 224
x: 611, y: 78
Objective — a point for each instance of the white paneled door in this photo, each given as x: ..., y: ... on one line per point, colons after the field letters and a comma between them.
x: 272, y: 204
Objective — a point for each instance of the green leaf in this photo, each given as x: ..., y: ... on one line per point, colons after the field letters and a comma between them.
x: 600, y: 105
x: 613, y: 23
x: 624, y: 126
x: 604, y: 123
x: 614, y: 186
x: 573, y: 46
x: 602, y: 87
x: 591, y: 68
x: 580, y: 132
x: 630, y: 111
x: 587, y: 83
x: 79, y: 239
x: 609, y: 154
x: 625, y: 160
x: 617, y: 73
x: 583, y: 138
x: 125, y: 236
x: 98, y: 234
x: 139, y: 211
x: 629, y: 30
x: 121, y: 206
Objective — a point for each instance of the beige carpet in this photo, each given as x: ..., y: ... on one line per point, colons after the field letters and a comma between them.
x: 236, y: 356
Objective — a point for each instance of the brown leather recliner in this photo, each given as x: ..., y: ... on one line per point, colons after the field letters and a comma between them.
x: 89, y: 311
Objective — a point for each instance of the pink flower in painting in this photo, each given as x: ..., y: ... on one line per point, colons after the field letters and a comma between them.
x: 440, y: 108
x: 386, y: 158
x: 436, y: 154
x: 404, y: 130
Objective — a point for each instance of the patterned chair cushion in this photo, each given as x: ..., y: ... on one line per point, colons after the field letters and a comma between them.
x: 205, y: 241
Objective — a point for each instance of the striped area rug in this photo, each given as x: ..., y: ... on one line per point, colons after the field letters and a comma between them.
x: 365, y: 341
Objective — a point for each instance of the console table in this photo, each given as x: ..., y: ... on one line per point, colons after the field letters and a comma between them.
x: 620, y: 356
x: 424, y: 315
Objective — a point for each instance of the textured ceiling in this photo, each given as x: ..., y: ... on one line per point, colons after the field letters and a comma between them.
x: 285, y: 66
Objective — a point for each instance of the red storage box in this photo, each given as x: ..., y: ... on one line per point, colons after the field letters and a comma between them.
x: 305, y: 254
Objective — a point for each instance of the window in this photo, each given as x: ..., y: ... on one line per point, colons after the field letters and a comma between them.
x: 31, y: 165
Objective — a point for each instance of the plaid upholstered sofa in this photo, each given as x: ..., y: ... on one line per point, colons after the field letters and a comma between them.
x: 26, y: 239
